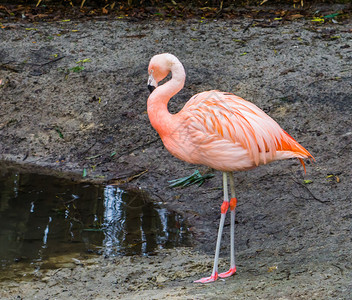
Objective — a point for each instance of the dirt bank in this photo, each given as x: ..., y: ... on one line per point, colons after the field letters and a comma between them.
x: 293, y: 239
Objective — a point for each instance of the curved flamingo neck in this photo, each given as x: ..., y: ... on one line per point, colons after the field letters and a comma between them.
x: 158, y: 113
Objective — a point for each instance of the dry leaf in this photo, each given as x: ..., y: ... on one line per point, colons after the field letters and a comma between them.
x: 294, y: 17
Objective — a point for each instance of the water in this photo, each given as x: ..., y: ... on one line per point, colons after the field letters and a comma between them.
x: 47, y: 221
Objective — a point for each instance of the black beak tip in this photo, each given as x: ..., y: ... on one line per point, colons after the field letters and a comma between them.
x: 151, y: 88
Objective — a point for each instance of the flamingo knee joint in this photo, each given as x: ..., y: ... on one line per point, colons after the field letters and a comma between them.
x: 233, y: 203
x: 224, y: 207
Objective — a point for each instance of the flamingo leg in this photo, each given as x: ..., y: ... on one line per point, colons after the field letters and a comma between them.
x: 233, y: 203
x: 225, y: 205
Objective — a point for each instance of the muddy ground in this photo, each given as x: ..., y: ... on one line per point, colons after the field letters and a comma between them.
x: 293, y: 239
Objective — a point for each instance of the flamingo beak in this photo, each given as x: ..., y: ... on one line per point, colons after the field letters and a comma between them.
x: 151, y: 88
x: 151, y: 83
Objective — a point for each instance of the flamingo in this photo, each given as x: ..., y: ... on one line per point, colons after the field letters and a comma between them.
x: 219, y: 130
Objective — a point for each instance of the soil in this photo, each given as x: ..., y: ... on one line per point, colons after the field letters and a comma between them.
x: 88, y: 121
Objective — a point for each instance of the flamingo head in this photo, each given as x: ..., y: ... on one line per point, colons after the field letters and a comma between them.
x: 159, y: 67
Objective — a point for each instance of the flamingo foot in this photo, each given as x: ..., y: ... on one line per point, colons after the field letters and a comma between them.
x: 212, y: 278
x: 228, y: 273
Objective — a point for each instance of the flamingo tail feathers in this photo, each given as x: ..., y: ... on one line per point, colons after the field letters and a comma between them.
x: 299, y: 151
x: 303, y: 164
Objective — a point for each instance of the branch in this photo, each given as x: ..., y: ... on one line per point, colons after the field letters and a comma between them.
x: 309, y: 191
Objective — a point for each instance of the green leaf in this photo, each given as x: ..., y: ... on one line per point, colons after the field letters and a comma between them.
x: 82, y: 61
x: 84, y: 172
x: 195, y: 178
x: 113, y: 154
x: 307, y: 181
x: 331, y: 16
x: 77, y: 69
x: 57, y: 129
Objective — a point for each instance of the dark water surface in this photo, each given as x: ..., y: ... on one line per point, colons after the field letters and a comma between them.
x: 45, y: 221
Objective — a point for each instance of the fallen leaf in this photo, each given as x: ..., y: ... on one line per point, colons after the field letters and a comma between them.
x: 320, y: 20
x: 84, y: 60
x: 294, y: 17
x: 57, y: 129
x: 271, y: 269
x: 331, y: 16
x: 77, y: 69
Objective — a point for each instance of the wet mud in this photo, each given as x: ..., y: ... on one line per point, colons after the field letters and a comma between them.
x: 73, y: 100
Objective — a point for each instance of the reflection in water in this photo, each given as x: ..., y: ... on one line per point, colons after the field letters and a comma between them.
x: 46, y: 231
x: 132, y: 226
x: 42, y: 217
x: 113, y: 213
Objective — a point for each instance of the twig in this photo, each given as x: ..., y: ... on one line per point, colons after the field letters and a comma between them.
x: 343, y: 148
x: 128, y: 179
x: 9, y: 68
x: 86, y: 151
x: 247, y: 27
x: 137, y: 148
x: 338, y: 267
x: 52, y: 61
x: 46, y: 63
x: 220, y: 9
x: 156, y: 195
x: 309, y: 191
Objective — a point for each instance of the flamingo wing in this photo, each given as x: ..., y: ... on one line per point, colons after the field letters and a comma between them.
x: 222, y: 118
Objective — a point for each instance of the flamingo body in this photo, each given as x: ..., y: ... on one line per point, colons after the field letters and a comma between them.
x: 216, y: 129
x: 227, y: 133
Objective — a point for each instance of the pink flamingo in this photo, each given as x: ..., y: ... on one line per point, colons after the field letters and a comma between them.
x: 219, y: 130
